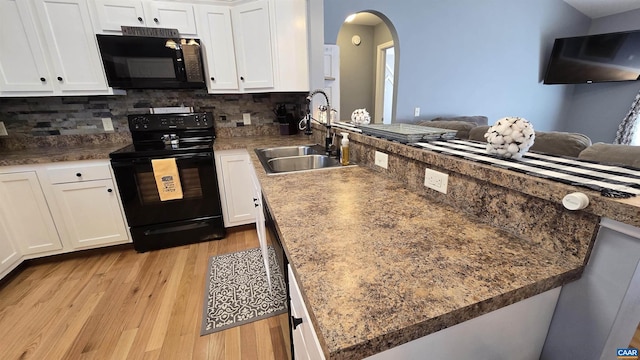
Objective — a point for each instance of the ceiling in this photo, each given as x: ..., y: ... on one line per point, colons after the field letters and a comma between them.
x: 599, y: 8
x: 365, y: 18
x: 591, y: 8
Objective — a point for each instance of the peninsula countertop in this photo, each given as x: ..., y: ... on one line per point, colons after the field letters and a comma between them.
x: 379, y: 265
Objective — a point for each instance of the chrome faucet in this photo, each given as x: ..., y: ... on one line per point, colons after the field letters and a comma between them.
x: 307, y: 131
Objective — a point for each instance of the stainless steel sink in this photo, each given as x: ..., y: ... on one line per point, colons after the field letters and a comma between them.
x: 299, y: 163
x: 295, y: 158
x: 284, y: 151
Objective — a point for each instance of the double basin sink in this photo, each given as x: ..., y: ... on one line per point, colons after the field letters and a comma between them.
x: 286, y: 159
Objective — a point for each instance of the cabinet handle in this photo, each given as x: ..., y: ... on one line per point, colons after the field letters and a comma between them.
x: 43, y: 79
x: 139, y: 19
x: 213, y: 79
x: 156, y: 20
x: 242, y: 78
x: 79, y: 174
x: 295, y: 321
x: 59, y: 78
x: 109, y: 190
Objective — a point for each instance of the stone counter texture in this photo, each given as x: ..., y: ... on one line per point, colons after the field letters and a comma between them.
x: 379, y: 265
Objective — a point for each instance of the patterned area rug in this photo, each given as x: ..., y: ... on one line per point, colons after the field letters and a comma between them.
x: 237, y: 291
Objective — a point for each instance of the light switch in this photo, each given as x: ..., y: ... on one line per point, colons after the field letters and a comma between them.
x: 246, y: 118
x: 381, y: 159
x: 3, y: 130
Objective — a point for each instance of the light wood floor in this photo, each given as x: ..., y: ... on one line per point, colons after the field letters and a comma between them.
x: 124, y: 305
x: 635, y: 341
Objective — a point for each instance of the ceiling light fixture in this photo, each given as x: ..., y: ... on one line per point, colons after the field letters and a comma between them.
x: 350, y: 18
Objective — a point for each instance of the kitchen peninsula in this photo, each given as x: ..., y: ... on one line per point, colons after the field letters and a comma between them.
x: 382, y: 261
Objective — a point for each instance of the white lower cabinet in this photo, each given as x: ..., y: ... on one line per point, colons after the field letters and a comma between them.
x: 236, y: 187
x: 90, y: 213
x: 26, y: 214
x: 305, y: 341
x: 9, y: 253
x: 49, y: 209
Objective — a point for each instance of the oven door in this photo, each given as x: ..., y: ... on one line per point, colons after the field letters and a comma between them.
x: 140, y: 197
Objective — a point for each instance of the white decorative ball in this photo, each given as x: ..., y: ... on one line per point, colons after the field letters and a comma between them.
x: 510, y: 137
x: 360, y: 117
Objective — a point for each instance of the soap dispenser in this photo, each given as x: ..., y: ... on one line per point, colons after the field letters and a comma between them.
x: 344, y: 149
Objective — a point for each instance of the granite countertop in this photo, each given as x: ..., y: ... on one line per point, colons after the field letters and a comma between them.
x: 379, y: 265
x: 55, y: 154
x: 46, y: 149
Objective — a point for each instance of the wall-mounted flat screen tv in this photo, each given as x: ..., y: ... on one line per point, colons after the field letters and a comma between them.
x: 595, y: 58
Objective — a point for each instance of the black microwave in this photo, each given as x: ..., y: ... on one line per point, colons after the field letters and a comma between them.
x: 138, y: 62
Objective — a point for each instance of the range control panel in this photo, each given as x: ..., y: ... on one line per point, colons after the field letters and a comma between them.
x: 153, y: 122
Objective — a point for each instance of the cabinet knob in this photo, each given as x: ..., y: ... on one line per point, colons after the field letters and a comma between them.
x: 43, y: 79
x: 213, y: 79
x: 79, y: 174
x: 139, y: 19
x: 109, y: 190
x: 59, y: 78
x: 156, y: 20
x: 242, y: 78
x: 295, y: 321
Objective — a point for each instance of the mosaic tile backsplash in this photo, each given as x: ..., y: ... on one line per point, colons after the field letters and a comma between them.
x: 80, y: 115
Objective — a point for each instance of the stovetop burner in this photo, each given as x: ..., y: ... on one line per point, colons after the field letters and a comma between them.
x: 167, y: 135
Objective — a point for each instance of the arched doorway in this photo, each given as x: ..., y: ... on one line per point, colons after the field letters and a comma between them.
x: 369, y: 62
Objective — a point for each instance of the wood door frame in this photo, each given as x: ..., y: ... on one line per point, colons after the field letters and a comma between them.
x: 380, y: 67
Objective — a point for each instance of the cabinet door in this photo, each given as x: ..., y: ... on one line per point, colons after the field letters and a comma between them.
x: 71, y: 42
x: 26, y: 213
x: 252, y: 35
x: 171, y: 15
x: 290, y: 43
x: 9, y: 254
x: 305, y: 341
x: 236, y: 187
x: 260, y: 222
x: 214, y: 23
x: 91, y: 213
x: 22, y: 60
x: 115, y: 13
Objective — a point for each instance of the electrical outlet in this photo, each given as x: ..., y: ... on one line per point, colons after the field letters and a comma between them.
x: 382, y: 159
x: 246, y: 118
x: 436, y: 180
x: 416, y: 112
x: 3, y: 130
x: 107, y: 124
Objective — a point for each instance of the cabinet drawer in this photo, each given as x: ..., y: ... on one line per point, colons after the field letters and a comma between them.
x: 61, y: 175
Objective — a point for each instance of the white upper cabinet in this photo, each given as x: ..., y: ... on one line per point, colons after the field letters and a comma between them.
x: 22, y: 62
x: 115, y: 13
x: 216, y: 33
x: 290, y: 44
x: 49, y: 49
x: 68, y: 32
x: 252, y: 38
x: 171, y: 15
x: 112, y: 14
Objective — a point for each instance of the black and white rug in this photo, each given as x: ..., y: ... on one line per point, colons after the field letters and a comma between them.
x: 237, y: 291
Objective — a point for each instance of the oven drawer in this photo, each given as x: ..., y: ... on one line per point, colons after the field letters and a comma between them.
x: 77, y: 173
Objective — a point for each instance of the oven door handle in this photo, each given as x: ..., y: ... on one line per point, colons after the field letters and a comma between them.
x: 147, y: 160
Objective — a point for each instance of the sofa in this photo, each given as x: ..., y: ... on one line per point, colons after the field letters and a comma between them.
x: 549, y: 142
x: 462, y: 124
